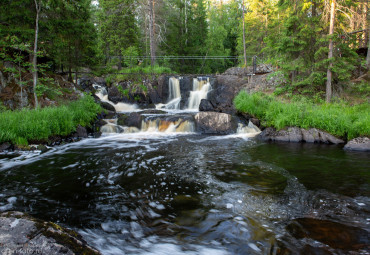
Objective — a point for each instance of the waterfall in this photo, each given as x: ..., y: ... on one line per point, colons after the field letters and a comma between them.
x: 250, y: 129
x: 201, y: 87
x: 120, y: 107
x: 174, y: 97
x: 167, y: 126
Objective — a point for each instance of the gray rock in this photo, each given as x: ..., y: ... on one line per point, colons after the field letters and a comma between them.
x: 205, y: 106
x: 358, y: 144
x: 291, y: 134
x: 215, y: 123
x: 152, y: 111
x: 5, y: 146
x: 108, y: 106
x: 81, y: 132
x: 22, y: 234
x: 42, y: 148
x: 134, y: 120
x: 121, y: 120
x: 295, y: 134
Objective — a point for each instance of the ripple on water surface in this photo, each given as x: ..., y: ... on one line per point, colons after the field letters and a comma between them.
x: 192, y: 194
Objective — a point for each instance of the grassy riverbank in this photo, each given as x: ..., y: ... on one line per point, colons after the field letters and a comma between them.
x: 338, y: 119
x: 20, y: 127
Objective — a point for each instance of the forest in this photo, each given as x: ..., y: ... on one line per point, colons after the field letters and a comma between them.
x: 131, y: 35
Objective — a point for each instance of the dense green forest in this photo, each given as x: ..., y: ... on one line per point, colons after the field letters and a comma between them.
x: 309, y: 43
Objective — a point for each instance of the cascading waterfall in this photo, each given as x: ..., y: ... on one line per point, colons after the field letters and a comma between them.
x: 201, y: 87
x: 250, y: 129
x: 120, y: 107
x: 174, y: 97
x: 167, y: 126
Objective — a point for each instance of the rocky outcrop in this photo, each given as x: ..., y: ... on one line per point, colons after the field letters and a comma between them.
x: 295, y: 134
x: 226, y: 87
x: 358, y: 144
x: 206, y: 106
x: 215, y: 123
x: 22, y: 234
x: 240, y: 71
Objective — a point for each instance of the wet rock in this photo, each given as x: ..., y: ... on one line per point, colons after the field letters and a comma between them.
x: 255, y: 122
x: 184, y: 202
x: 152, y: 111
x: 81, y: 132
x: 292, y: 134
x: 336, y: 235
x: 358, y: 144
x: 132, y: 120
x: 215, y: 123
x: 121, y: 120
x: 110, y: 115
x: 42, y: 148
x: 21, y: 234
x: 205, y: 106
x: 5, y: 146
x: 108, y: 106
x: 295, y: 134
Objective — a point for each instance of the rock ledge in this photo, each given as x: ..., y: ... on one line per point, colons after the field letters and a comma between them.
x: 23, y: 234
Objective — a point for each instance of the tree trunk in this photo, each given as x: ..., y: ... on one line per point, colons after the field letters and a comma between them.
x: 330, y: 55
x: 368, y: 49
x: 244, y: 49
x: 151, y: 32
x: 34, y: 61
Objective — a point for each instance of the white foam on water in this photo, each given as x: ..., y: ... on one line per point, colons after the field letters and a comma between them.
x: 102, y: 94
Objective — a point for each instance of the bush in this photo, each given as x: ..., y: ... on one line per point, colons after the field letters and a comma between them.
x: 336, y: 118
x: 20, y: 127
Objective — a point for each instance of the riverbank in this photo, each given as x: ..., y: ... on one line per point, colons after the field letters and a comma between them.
x: 341, y: 120
x: 20, y: 127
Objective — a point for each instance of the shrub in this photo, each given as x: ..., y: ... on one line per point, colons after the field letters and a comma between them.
x: 22, y: 126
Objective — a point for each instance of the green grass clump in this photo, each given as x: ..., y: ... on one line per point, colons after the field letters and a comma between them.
x: 20, y: 127
x: 336, y: 118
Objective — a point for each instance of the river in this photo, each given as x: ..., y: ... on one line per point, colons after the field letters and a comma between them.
x: 187, y: 193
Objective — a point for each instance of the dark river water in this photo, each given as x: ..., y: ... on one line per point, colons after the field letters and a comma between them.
x: 193, y: 194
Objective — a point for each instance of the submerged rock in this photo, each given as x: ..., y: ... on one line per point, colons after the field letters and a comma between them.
x: 336, y: 235
x: 295, y: 134
x: 358, y: 144
x: 21, y: 234
x: 215, y: 123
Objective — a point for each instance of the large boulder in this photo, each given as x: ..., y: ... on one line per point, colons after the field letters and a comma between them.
x: 358, y: 144
x: 215, y: 123
x: 21, y: 234
x: 295, y: 134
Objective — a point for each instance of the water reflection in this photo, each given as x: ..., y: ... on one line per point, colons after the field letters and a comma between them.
x: 193, y: 194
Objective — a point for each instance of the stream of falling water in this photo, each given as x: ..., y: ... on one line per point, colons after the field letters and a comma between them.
x: 201, y: 87
x: 174, y: 96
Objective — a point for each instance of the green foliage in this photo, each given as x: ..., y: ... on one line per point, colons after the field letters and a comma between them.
x: 20, y: 127
x: 336, y: 118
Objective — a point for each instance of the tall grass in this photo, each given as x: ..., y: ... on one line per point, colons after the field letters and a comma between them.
x: 20, y: 127
x: 337, y: 119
